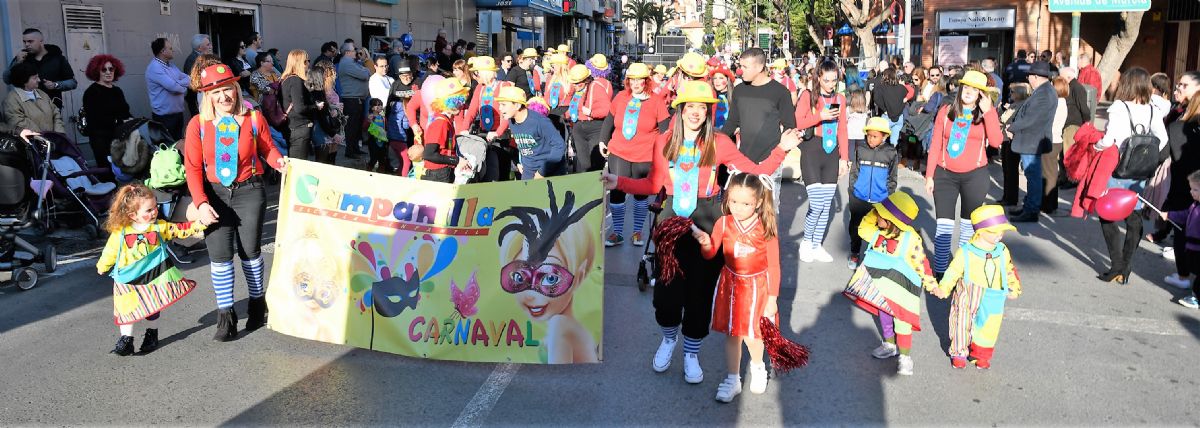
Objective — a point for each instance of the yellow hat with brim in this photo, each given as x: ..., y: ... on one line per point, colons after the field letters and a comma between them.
x: 564, y: 48
x: 448, y: 88
x: 578, y: 73
x: 550, y: 51
x: 779, y: 64
x: 483, y: 63
x: 599, y: 61
x: 660, y: 69
x: 694, y: 91
x: 878, y: 124
x: 899, y: 209
x: 637, y: 70
x: 990, y: 218
x: 511, y: 94
x: 693, y: 64
x: 559, y: 59
x: 975, y: 80
x: 529, y: 53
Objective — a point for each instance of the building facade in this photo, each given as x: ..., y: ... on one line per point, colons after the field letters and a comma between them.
x: 587, y: 26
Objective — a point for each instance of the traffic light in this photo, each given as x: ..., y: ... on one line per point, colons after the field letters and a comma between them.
x: 568, y: 6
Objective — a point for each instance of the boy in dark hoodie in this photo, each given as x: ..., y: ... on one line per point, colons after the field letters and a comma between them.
x: 540, y: 147
x: 872, y: 179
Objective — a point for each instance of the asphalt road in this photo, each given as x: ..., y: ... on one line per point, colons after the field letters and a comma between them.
x: 1072, y: 351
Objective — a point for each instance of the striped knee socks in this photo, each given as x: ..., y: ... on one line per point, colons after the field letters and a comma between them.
x: 670, y: 333
x: 618, y: 218
x: 253, y: 269
x: 222, y: 279
x: 941, y: 244
x: 640, y: 208
x: 820, y: 197
x: 691, y: 346
x: 965, y: 231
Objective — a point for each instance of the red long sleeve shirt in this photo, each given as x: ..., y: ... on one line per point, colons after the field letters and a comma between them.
x: 564, y: 94
x: 726, y: 154
x: 198, y: 153
x: 440, y: 134
x: 641, y: 146
x: 973, y: 155
x: 473, y: 111
x: 807, y: 118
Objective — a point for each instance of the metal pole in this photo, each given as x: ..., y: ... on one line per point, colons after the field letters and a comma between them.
x: 906, y: 44
x: 1075, y: 39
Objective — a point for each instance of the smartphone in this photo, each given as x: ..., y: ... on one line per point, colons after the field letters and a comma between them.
x: 835, y: 106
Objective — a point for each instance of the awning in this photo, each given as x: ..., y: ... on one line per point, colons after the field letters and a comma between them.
x: 526, y: 35
x: 544, y: 6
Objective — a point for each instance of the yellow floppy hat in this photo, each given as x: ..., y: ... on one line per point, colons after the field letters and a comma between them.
x: 529, y: 53
x: 599, y: 61
x: 878, y: 124
x: 559, y: 59
x: 693, y: 64
x: 694, y: 91
x: 483, y: 63
x: 990, y: 218
x: 637, y: 70
x: 779, y: 64
x: 511, y: 94
x: 578, y: 73
x: 899, y: 209
x: 448, y: 88
x: 563, y: 49
x: 975, y: 80
x: 550, y: 51
x: 660, y: 69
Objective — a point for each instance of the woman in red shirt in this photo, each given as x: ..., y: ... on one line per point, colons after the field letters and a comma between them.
x: 222, y: 146
x: 957, y: 164
x: 685, y: 164
x: 629, y: 133
x: 588, y: 105
x: 824, y: 155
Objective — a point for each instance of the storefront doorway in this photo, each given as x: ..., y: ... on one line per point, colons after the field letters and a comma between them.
x: 226, y: 23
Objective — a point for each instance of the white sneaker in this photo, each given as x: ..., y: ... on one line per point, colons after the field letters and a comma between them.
x: 729, y: 388
x: 806, y: 252
x: 692, y: 373
x: 885, y: 350
x: 906, y: 366
x: 1169, y: 253
x: 819, y: 254
x: 758, y: 378
x: 1178, y: 282
x: 662, y: 357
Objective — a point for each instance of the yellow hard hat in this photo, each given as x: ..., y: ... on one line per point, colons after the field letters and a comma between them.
x: 448, y: 88
x: 483, y: 63
x: 878, y: 124
x: 898, y: 209
x: 512, y: 94
x: 779, y: 64
x: 564, y: 48
x: 578, y: 73
x: 529, y: 53
x: 990, y: 218
x: 660, y: 69
x: 637, y: 70
x: 694, y: 91
x: 550, y: 51
x: 599, y: 61
x: 693, y: 64
x: 558, y: 58
x: 975, y: 80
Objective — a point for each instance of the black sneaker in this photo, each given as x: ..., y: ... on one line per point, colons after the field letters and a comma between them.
x: 149, y: 341
x: 853, y: 261
x: 124, y: 346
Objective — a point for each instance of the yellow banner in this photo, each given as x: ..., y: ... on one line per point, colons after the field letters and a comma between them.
x: 490, y: 272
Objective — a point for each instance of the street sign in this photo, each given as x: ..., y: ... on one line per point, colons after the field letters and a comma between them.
x: 1068, y: 6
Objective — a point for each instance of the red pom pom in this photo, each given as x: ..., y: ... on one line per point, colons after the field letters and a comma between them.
x: 666, y: 234
x: 785, y: 354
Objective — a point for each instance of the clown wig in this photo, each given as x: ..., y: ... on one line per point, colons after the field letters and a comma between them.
x: 598, y: 73
x: 453, y: 102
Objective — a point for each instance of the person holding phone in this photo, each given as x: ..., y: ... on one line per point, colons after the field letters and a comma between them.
x: 824, y: 155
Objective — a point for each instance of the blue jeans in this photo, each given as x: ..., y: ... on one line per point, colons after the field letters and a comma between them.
x: 896, y: 127
x: 1032, y: 164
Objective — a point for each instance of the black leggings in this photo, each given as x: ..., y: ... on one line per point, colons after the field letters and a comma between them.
x: 441, y: 175
x: 816, y: 166
x: 1122, y: 247
x: 858, y: 209
x: 950, y: 187
x: 688, y: 298
x: 499, y: 163
x: 240, y: 221
x: 585, y: 136
x: 300, y: 141
x: 623, y: 168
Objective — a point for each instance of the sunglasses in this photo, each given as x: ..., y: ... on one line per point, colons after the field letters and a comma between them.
x: 108, y: 69
x: 549, y: 280
x: 935, y: 75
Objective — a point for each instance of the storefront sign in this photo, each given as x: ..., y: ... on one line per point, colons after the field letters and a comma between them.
x: 952, y: 50
x: 1068, y: 6
x: 978, y: 19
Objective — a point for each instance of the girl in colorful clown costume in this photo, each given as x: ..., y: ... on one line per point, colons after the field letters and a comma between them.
x: 982, y: 275
x: 144, y: 280
x: 749, y: 283
x: 889, y: 281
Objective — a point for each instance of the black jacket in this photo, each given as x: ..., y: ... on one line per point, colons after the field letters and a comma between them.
x: 1078, y: 109
x: 303, y: 107
x: 1184, y: 145
x: 520, y: 78
x: 1032, y: 122
x: 52, y: 67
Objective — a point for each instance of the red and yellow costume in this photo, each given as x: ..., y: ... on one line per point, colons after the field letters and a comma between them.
x: 750, y: 277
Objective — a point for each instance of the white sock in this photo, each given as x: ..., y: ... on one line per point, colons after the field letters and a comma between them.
x: 126, y: 329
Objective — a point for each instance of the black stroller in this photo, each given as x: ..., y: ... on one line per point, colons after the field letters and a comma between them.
x: 648, y: 267
x: 21, y: 206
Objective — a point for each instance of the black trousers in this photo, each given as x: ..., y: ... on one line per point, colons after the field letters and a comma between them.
x: 101, y: 148
x: 241, y: 208
x: 858, y: 209
x: 441, y: 175
x: 585, y: 136
x: 950, y: 188
x: 1010, y: 163
x: 300, y: 141
x: 173, y: 122
x: 688, y: 299
x: 499, y: 162
x: 379, y: 154
x: 622, y: 168
x: 1121, y: 247
x: 354, y: 124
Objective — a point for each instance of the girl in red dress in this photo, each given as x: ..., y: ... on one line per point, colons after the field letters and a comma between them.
x: 749, y: 283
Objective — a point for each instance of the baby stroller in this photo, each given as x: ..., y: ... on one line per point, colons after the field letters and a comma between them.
x: 79, y: 192
x: 648, y: 267
x: 21, y: 206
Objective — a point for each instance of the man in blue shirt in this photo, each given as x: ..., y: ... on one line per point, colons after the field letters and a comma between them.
x: 166, y: 86
x: 540, y: 147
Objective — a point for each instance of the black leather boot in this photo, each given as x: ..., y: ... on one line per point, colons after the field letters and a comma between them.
x: 149, y: 341
x: 124, y: 346
x: 226, y: 325
x: 1114, y: 241
x: 257, y: 313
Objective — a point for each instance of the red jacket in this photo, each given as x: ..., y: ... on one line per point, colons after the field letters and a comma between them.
x: 1091, y: 76
x: 198, y: 154
x: 973, y: 156
x: 1095, y: 178
x: 807, y: 118
x: 726, y: 154
x: 640, y: 148
x: 473, y: 111
x: 597, y: 98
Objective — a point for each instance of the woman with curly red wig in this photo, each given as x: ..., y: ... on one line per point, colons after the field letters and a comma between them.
x: 104, y: 105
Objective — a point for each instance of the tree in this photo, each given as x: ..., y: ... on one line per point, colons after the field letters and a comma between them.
x: 1119, y: 45
x: 639, y: 11
x: 863, y: 16
x: 660, y: 15
x: 708, y: 28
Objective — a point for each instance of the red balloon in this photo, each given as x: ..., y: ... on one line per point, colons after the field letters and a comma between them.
x: 1116, y: 204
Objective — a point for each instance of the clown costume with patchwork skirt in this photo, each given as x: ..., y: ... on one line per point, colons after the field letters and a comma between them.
x: 145, y: 281
x: 981, y: 281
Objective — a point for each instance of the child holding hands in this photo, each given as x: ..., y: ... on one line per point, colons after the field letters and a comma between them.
x: 748, y: 287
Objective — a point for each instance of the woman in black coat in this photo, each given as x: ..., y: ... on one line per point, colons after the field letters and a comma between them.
x: 104, y: 105
x: 298, y: 104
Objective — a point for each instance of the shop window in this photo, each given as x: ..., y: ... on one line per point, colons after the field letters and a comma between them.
x: 225, y: 25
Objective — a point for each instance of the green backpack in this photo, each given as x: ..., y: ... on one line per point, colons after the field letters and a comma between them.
x: 166, y: 168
